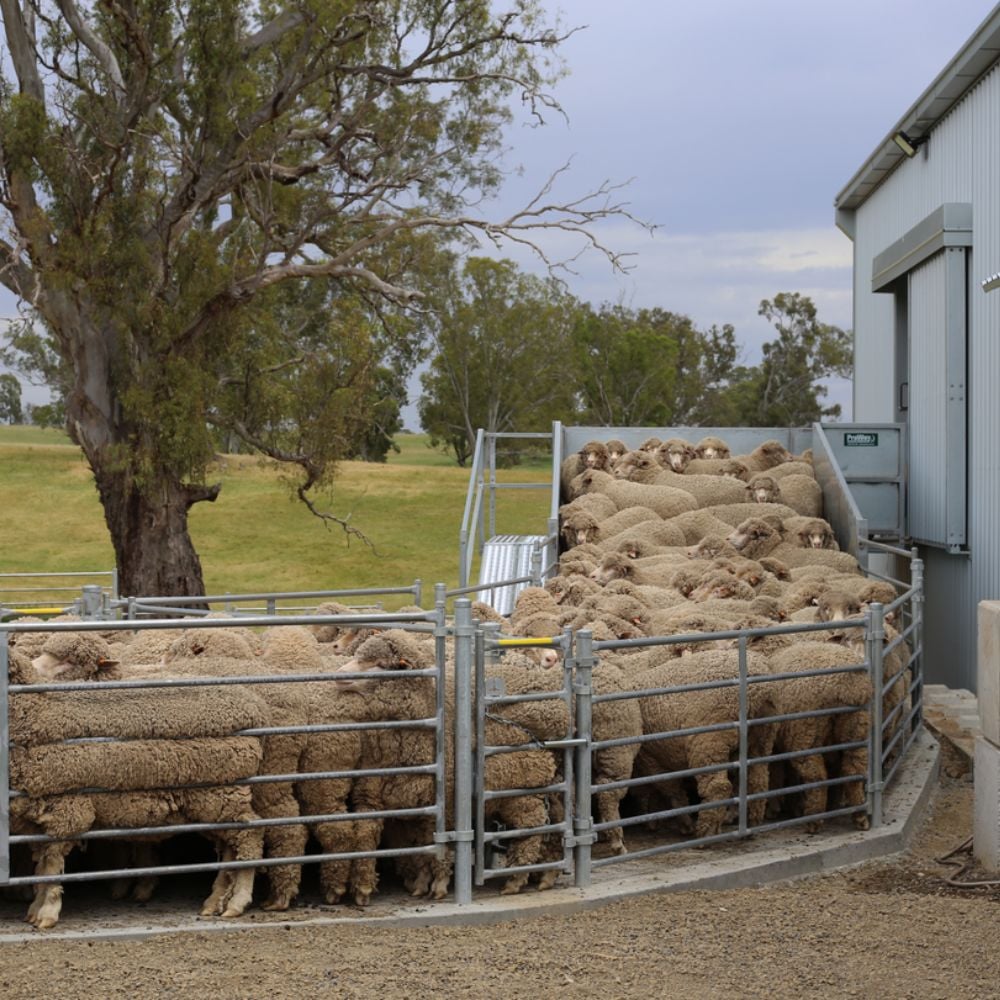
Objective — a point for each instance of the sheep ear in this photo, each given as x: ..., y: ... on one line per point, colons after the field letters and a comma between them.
x: 405, y: 664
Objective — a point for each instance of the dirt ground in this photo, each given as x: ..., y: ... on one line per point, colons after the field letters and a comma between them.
x: 891, y: 928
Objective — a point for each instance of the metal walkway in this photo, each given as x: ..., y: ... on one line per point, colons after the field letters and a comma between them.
x: 508, y: 557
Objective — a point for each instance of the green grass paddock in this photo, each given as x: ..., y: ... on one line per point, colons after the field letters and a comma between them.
x: 257, y: 536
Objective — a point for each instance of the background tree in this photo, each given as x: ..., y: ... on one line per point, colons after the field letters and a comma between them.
x: 501, y: 340
x: 647, y: 367
x: 785, y: 389
x: 10, y: 399
x: 165, y: 163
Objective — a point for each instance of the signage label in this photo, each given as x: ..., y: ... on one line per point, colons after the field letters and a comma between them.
x: 860, y: 439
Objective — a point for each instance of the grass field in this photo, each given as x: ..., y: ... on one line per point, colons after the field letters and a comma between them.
x: 256, y: 536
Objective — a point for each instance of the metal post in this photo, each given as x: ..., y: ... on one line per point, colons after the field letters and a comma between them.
x: 493, y: 484
x: 583, y: 824
x: 90, y: 601
x: 536, y: 565
x: 479, y: 769
x: 875, y: 643
x: 440, y: 741
x: 491, y: 635
x: 744, y: 734
x: 463, y: 559
x: 131, y: 609
x: 917, y: 663
x: 569, y: 754
x: 114, y: 584
x: 463, y: 751
x: 272, y: 606
x: 4, y: 764
x: 418, y: 593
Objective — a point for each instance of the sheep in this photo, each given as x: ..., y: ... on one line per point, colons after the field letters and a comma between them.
x: 330, y: 633
x: 571, y: 589
x: 638, y: 467
x: 487, y: 613
x: 711, y: 547
x: 778, y: 472
x: 824, y: 691
x: 712, y: 447
x: 659, y: 532
x: 723, y: 586
x: 30, y: 643
x: 665, y: 713
x: 593, y: 455
x: 755, y: 538
x: 583, y: 527
x: 596, y: 503
x: 656, y: 571
x: 810, y: 533
x: 615, y: 449
x: 801, y: 493
x: 765, y: 456
x: 209, y: 642
x: 636, y: 546
x: 698, y: 524
x: 74, y: 656
x: 172, y: 738
x: 651, y: 444
x: 665, y: 500
x: 510, y: 724
x: 675, y: 453
x: 148, y: 646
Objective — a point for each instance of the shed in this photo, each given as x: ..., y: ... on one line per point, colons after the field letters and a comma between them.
x: 923, y: 212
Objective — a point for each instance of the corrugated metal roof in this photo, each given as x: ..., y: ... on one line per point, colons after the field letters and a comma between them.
x: 972, y: 62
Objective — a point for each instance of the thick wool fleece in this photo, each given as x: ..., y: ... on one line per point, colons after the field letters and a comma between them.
x: 138, y: 764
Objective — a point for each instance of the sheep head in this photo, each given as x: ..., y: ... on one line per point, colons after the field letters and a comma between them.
x: 75, y: 656
x: 763, y: 489
x: 710, y: 547
x: 816, y: 534
x: 772, y: 453
x: 615, y: 449
x: 614, y: 566
x: 391, y: 650
x: 734, y: 469
x: 754, y: 537
x: 675, y: 454
x: 712, y: 447
x: 594, y: 455
x: 836, y: 606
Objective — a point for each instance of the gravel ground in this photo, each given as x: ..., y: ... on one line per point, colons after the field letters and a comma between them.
x: 892, y: 928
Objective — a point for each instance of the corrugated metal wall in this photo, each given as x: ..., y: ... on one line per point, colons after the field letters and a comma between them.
x: 960, y: 163
x: 928, y: 492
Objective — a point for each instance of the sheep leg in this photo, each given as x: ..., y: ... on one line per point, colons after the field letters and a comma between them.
x: 760, y: 744
x: 44, y: 910
x: 552, y: 843
x: 714, y: 786
x: 273, y: 801
x: 848, y: 729
x: 364, y: 872
x: 145, y: 855
x: 807, y: 770
x: 522, y: 813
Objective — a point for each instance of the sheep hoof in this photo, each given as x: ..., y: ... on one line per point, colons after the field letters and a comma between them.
x: 333, y: 896
x: 815, y: 827
x: 232, y: 911
x: 46, y: 923
x: 120, y: 888
x: 144, y: 889
x: 513, y: 886
x: 362, y: 897
x: 275, y: 905
x: 547, y: 881
x: 862, y: 822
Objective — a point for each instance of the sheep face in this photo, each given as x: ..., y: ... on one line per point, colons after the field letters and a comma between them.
x: 615, y: 449
x: 392, y: 650
x: 636, y: 465
x: 836, y: 606
x: 79, y: 656
x: 723, y: 587
x: 712, y: 447
x: 594, y: 455
x: 754, y: 537
x: 650, y: 444
x: 675, y: 454
x: 763, y: 489
x: 772, y: 453
x: 816, y: 534
x: 614, y: 567
x: 710, y: 547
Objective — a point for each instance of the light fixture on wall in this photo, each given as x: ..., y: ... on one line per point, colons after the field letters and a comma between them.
x: 907, y: 145
x: 991, y: 283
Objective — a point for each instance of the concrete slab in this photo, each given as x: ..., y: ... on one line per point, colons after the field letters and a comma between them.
x: 772, y: 857
x: 988, y: 669
x: 986, y: 811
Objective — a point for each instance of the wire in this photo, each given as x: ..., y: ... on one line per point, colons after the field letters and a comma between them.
x: 963, y: 866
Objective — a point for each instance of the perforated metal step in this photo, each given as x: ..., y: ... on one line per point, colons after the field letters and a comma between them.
x: 506, y: 557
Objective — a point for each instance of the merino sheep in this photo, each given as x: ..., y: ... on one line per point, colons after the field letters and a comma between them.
x: 810, y: 533
x: 765, y: 456
x: 801, y: 493
x: 593, y: 455
x: 712, y: 447
x: 615, y: 449
x: 651, y: 444
x: 664, y: 500
x: 755, y: 538
x: 659, y: 532
x: 675, y: 454
x: 172, y: 738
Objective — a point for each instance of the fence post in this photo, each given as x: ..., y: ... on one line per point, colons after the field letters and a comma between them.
x: 272, y: 606
x: 536, y: 565
x: 463, y: 750
x: 917, y: 671
x: 875, y: 643
x: 418, y: 593
x: 583, y: 824
x: 440, y: 741
x: 4, y: 764
x: 90, y: 601
x: 491, y: 636
x: 744, y: 734
x: 131, y: 609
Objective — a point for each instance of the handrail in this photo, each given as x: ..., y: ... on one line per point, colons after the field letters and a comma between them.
x: 846, y: 519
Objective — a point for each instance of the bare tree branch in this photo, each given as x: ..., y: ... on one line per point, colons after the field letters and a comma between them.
x: 98, y: 49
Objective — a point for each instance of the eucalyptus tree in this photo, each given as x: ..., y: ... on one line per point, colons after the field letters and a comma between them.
x: 167, y: 165
x: 501, y: 344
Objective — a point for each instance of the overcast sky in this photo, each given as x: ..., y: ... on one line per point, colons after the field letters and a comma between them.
x: 739, y: 123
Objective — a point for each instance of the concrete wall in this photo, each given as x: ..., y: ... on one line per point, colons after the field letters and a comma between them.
x: 986, y: 816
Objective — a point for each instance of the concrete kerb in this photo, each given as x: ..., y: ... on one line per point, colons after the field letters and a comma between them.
x: 905, y: 806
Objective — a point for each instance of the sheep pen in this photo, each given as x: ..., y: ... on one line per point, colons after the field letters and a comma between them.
x: 634, y: 633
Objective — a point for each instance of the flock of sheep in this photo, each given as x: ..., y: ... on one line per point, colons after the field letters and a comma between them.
x: 670, y: 539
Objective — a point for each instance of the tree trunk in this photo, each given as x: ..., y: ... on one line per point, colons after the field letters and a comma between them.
x: 149, y: 532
